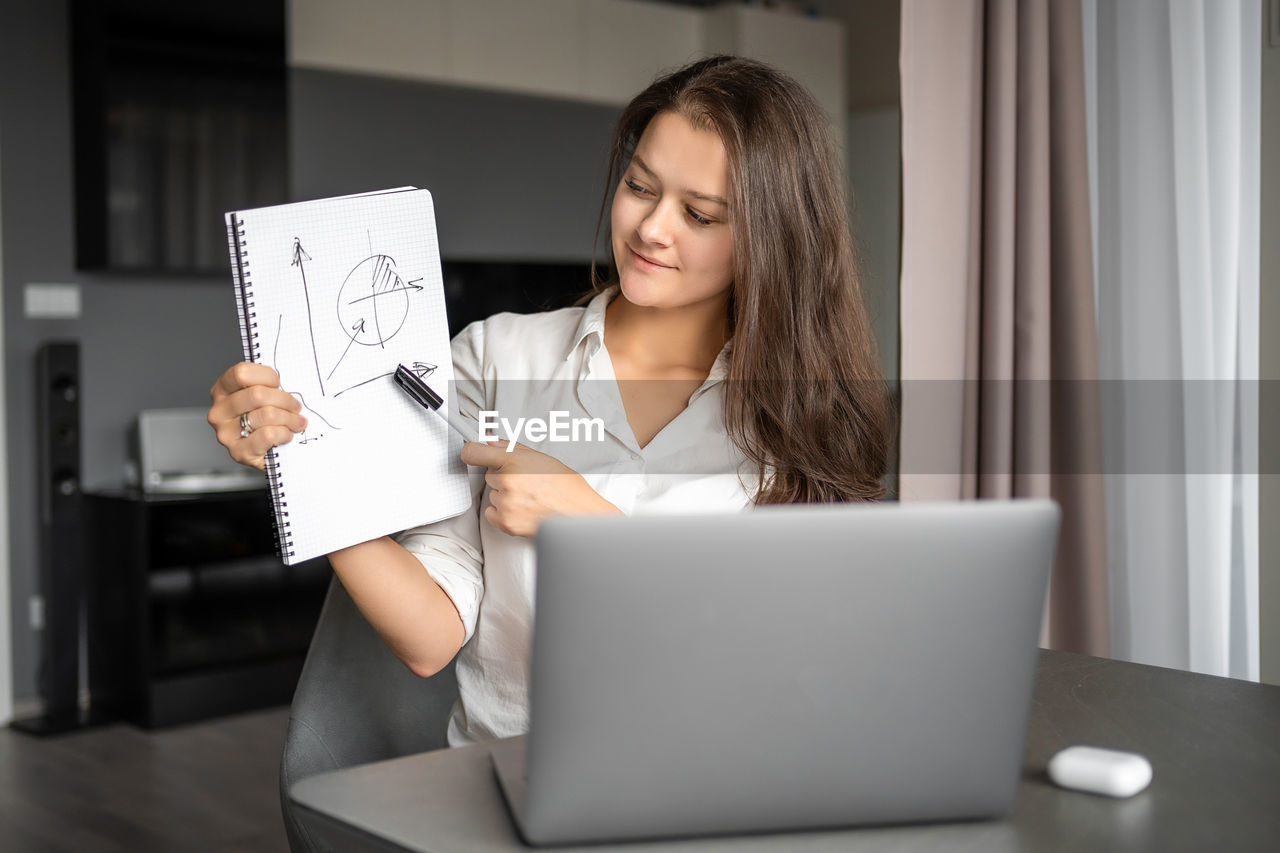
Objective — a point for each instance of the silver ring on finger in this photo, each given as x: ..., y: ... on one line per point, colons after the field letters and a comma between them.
x: 245, y: 427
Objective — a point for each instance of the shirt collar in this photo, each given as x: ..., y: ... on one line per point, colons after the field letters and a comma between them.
x: 591, y: 324
x: 720, y: 367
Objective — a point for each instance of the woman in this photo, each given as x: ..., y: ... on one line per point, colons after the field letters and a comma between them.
x: 727, y: 353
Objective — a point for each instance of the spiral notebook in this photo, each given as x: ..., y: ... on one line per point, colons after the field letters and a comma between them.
x: 334, y: 294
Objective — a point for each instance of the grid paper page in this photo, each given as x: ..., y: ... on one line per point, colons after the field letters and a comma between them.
x: 341, y: 291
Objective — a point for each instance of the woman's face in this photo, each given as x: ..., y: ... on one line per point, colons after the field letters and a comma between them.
x: 671, y: 239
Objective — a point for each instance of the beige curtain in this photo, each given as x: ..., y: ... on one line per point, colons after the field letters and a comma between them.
x: 999, y: 347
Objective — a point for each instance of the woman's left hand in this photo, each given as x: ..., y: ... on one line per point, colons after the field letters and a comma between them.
x: 526, y: 486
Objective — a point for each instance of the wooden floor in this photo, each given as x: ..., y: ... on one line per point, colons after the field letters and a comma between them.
x: 209, y: 786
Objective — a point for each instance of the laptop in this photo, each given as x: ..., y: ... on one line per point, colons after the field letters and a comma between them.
x: 786, y: 668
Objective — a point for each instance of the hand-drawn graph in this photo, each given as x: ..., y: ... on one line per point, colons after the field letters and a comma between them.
x: 371, y: 306
x: 348, y: 318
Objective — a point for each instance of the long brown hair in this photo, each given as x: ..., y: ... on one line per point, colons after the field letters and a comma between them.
x: 804, y: 398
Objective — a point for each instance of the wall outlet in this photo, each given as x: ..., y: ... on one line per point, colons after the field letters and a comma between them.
x: 51, y: 301
x: 35, y: 612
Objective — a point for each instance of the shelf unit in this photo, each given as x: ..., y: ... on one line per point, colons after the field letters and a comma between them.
x: 190, y: 614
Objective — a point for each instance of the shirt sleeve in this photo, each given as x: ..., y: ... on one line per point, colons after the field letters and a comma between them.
x: 451, y: 550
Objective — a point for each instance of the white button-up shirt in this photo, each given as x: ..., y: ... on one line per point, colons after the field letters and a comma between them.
x: 514, y: 366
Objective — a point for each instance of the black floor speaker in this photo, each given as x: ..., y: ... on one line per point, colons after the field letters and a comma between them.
x: 62, y: 528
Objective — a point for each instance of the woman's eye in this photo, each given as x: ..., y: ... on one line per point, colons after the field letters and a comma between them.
x: 634, y: 187
x: 699, y: 218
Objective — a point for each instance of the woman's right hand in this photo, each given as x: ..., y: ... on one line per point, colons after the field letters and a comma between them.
x: 271, y: 415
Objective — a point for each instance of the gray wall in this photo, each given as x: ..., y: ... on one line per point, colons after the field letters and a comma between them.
x: 512, y: 177
x: 519, y: 177
x: 145, y: 343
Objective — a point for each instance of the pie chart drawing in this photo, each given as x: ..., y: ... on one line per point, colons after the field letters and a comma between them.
x: 374, y: 301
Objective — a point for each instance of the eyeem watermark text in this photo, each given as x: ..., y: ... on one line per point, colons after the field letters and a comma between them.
x: 557, y: 427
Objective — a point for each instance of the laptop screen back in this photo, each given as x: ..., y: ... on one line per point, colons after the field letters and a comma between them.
x: 790, y: 667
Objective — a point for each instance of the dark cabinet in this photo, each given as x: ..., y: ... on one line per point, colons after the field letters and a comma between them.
x: 190, y: 614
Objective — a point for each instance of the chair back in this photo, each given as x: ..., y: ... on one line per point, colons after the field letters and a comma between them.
x: 356, y: 702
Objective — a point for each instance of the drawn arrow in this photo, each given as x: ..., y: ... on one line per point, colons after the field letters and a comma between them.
x: 358, y: 328
x: 399, y: 288
x: 423, y: 369
x: 300, y: 255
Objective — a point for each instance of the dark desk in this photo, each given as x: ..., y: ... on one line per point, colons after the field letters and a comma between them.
x: 1214, y: 745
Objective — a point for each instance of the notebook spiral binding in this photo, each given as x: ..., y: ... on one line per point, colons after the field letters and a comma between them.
x: 252, y: 352
x: 284, y: 534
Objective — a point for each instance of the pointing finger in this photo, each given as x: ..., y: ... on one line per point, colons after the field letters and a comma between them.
x: 485, y: 455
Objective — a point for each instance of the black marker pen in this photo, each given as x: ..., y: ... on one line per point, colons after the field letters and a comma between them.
x: 423, y: 395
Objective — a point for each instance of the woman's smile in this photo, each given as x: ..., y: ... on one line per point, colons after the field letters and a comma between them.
x: 646, y: 263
